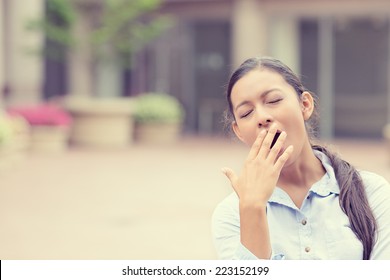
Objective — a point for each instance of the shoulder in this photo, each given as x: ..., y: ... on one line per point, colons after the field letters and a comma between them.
x: 373, y: 182
x: 227, y: 208
x: 229, y: 203
x: 377, y: 188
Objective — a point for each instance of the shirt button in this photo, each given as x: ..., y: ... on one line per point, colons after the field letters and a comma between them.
x: 307, y: 249
x: 304, y: 222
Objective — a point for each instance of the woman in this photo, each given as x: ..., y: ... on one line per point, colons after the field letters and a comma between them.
x: 293, y: 199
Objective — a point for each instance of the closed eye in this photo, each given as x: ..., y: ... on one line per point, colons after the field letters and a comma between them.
x: 275, y: 101
x: 246, y: 114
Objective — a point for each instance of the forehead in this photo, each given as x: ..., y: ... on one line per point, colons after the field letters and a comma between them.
x: 258, y: 81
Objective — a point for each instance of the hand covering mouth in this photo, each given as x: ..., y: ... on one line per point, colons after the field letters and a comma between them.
x: 275, y: 138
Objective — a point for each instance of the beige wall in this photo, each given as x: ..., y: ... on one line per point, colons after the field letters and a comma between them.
x: 328, y: 7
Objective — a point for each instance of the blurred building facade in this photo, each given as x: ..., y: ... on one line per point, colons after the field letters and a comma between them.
x: 341, y: 48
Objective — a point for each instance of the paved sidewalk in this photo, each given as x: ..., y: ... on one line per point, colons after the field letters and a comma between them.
x: 141, y: 203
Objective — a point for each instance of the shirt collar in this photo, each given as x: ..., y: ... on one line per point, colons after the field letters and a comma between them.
x: 326, y: 186
x: 328, y: 183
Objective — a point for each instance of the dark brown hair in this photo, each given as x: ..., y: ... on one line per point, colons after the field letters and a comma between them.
x: 353, y: 198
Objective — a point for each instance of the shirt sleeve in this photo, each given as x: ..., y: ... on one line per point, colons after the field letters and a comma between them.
x: 378, y: 193
x: 226, y: 233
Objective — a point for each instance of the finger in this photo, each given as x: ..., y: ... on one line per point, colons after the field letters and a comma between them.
x: 229, y: 173
x: 266, y: 145
x: 281, y: 161
x: 254, y: 151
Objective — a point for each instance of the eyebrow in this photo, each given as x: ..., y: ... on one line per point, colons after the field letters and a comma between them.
x: 264, y: 94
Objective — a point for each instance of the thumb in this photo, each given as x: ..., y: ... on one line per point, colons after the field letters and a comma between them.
x: 229, y: 173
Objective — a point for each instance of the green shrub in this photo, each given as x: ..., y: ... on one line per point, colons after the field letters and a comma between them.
x: 158, y: 108
x: 6, y: 132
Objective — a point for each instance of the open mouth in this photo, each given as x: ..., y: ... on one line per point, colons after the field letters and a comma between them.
x: 275, y: 138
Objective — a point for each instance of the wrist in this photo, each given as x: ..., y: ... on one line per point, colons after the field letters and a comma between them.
x: 252, y: 206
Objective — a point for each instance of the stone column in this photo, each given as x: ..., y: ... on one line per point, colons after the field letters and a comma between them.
x: 285, y: 41
x: 249, y: 30
x: 23, y: 71
x: 80, y: 58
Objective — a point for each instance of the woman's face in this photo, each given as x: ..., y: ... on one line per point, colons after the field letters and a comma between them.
x: 263, y: 98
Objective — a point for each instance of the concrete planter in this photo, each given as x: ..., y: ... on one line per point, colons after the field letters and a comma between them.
x: 101, y: 123
x: 157, y: 133
x: 49, y: 138
x: 13, y: 151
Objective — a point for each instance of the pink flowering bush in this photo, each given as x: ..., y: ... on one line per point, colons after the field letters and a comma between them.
x: 45, y: 114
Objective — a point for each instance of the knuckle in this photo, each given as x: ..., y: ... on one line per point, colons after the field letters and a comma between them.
x: 283, y: 158
x: 249, y: 163
x: 267, y: 143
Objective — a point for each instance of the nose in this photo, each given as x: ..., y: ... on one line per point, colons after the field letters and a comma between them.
x: 264, y: 119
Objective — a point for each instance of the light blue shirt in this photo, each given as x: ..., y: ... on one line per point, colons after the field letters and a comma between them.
x: 318, y: 230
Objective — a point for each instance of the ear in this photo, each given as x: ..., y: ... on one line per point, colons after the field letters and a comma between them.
x: 237, y: 131
x: 307, y: 105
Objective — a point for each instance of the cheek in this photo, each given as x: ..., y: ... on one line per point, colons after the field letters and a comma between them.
x: 251, y: 140
x: 293, y: 117
x: 296, y: 132
x: 247, y: 134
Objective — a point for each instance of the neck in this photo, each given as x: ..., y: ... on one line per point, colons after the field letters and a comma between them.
x: 303, y: 172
